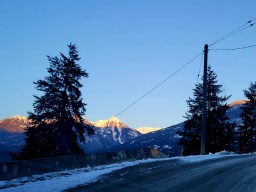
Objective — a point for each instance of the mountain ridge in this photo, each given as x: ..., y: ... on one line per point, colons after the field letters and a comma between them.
x: 108, y: 133
x: 113, y: 137
x: 17, y: 124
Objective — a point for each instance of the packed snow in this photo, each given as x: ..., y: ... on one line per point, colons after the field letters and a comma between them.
x: 59, y: 181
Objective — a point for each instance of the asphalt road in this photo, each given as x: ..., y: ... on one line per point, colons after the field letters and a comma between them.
x: 226, y: 174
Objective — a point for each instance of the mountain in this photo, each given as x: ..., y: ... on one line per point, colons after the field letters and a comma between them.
x: 113, y: 122
x: 165, y: 140
x: 145, y: 130
x: 15, y: 124
x: 234, y: 112
x: 237, y: 103
x: 11, y: 137
x: 108, y: 134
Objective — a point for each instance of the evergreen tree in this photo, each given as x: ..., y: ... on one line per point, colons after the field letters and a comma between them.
x: 247, y: 130
x: 57, y: 123
x: 219, y: 132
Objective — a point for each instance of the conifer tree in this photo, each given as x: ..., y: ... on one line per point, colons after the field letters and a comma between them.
x: 247, y: 131
x: 57, y: 123
x: 219, y: 132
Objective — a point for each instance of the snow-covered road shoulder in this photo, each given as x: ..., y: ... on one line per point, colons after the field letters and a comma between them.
x: 59, y: 181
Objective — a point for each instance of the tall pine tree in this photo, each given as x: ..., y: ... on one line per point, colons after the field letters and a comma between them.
x: 247, y: 130
x: 57, y: 123
x: 219, y: 132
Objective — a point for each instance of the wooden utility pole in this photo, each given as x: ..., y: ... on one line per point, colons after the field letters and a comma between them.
x: 203, y: 130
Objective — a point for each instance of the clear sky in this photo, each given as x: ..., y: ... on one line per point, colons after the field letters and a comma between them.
x: 127, y: 47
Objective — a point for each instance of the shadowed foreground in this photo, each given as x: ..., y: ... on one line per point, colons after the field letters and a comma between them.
x: 226, y: 174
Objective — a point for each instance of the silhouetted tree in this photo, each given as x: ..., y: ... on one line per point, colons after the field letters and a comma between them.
x: 57, y: 123
x: 219, y: 132
x: 247, y: 131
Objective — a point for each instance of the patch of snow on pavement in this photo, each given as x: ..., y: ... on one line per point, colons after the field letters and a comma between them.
x: 59, y: 181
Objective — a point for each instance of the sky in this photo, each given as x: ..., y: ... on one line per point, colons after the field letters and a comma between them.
x: 127, y: 47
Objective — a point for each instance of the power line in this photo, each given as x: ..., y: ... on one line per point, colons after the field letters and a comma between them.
x: 233, y: 49
x: 232, y: 33
x: 158, y: 85
x: 235, y: 31
x: 199, y: 71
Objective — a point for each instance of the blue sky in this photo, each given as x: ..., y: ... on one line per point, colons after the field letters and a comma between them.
x: 127, y: 47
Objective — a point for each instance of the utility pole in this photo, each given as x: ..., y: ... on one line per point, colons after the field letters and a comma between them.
x: 203, y: 130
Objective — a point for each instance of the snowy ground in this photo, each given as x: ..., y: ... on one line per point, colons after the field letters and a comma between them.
x: 59, y: 181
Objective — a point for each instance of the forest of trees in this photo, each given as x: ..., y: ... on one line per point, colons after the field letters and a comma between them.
x: 57, y: 122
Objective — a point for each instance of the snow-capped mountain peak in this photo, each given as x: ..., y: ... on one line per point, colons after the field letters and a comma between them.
x: 109, y: 134
x: 237, y: 103
x: 113, y: 122
x: 18, y: 117
x: 113, y: 118
x: 15, y: 124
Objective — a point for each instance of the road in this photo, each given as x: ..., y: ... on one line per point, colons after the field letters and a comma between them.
x: 226, y: 174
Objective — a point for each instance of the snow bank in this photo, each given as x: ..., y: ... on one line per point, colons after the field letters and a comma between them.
x: 60, y: 181
x: 196, y: 158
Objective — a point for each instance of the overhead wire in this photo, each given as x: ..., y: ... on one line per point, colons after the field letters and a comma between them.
x: 233, y: 49
x: 199, y: 71
x: 232, y: 33
x: 159, y: 84
x: 235, y: 31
